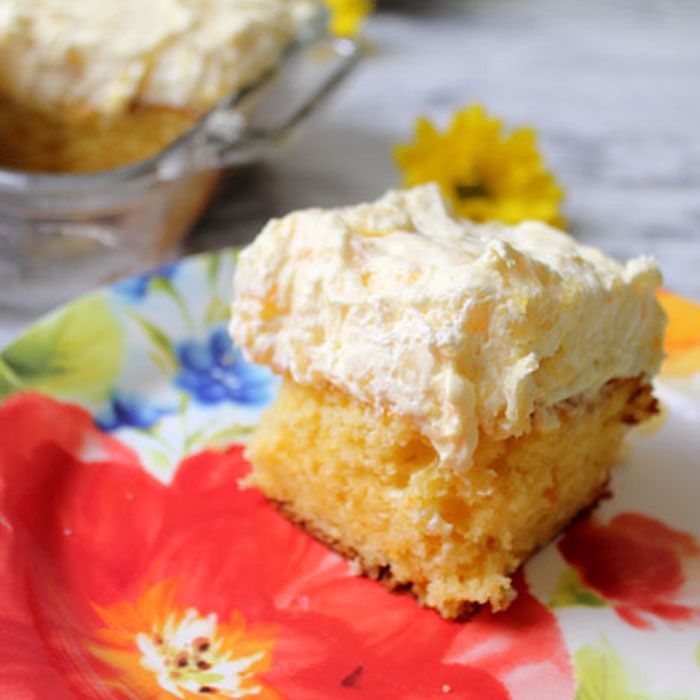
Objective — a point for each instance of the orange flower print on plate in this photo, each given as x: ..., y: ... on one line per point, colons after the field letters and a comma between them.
x: 682, y: 339
x: 163, y: 651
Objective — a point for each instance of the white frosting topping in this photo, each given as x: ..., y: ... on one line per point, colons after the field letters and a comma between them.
x: 465, y: 328
x: 105, y: 56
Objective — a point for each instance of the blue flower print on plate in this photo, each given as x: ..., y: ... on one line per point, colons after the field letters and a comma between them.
x: 130, y: 411
x: 135, y: 288
x: 213, y: 371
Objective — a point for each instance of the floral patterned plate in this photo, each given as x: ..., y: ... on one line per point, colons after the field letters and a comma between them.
x: 134, y: 567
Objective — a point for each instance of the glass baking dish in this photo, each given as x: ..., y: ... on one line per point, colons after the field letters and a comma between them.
x: 62, y: 234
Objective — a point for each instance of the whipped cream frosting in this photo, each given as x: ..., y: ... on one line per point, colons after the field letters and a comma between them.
x: 101, y: 56
x: 465, y: 328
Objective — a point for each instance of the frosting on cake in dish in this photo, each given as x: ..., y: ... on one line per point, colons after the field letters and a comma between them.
x: 94, y: 55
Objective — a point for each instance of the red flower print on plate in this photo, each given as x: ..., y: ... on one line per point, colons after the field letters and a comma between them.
x: 639, y: 564
x: 114, y: 585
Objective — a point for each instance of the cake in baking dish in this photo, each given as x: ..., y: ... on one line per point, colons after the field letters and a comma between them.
x: 88, y: 84
x: 453, y: 393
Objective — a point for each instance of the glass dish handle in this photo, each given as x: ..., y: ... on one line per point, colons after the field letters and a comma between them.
x: 258, y: 118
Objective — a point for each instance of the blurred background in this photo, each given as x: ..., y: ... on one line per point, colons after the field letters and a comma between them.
x: 611, y: 86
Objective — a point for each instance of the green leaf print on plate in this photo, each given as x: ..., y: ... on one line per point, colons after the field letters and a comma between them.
x: 571, y: 590
x: 218, y: 309
x: 166, y: 358
x: 217, y: 439
x: 601, y: 675
x: 75, y: 353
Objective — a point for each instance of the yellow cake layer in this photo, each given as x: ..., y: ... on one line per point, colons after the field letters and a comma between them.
x: 373, y: 487
x: 35, y: 141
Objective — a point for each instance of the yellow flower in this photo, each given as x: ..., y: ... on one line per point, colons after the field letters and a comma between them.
x: 162, y: 651
x: 487, y: 174
x: 347, y: 16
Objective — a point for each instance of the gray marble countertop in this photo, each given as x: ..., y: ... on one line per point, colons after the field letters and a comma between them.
x: 612, y: 87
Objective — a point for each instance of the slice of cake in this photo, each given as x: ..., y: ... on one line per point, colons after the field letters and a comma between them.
x: 90, y: 84
x: 453, y: 393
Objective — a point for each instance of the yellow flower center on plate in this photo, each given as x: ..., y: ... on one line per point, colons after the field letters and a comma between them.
x: 186, y: 655
x: 162, y: 651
